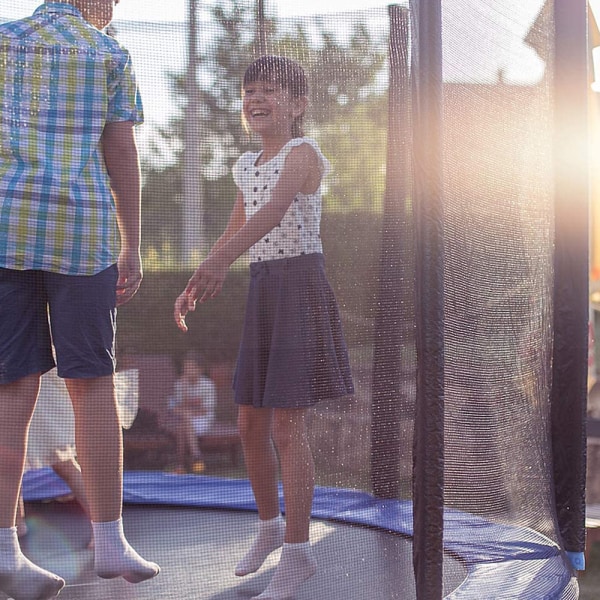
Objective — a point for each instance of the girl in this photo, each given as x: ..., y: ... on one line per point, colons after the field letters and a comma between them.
x: 292, y: 353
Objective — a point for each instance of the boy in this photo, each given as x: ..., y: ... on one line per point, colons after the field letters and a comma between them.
x: 69, y: 186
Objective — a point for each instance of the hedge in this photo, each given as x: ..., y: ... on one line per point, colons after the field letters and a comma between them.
x: 351, y: 242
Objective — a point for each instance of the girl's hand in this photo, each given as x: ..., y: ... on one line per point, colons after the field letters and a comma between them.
x: 207, y: 281
x: 183, y: 305
x: 204, y: 284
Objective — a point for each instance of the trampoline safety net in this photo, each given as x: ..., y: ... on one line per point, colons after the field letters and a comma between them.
x: 458, y: 258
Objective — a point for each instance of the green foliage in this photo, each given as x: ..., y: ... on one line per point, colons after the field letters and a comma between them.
x: 146, y: 325
x: 161, y: 216
x: 356, y: 145
x: 347, y: 116
x: 351, y: 243
x: 341, y: 76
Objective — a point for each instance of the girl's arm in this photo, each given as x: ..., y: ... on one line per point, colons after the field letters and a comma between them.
x: 237, y: 218
x: 300, y: 167
x: 301, y: 174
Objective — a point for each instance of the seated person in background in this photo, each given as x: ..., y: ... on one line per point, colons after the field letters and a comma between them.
x: 193, y: 406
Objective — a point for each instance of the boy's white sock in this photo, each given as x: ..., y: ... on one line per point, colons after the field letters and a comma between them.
x: 19, y: 577
x: 269, y: 538
x: 114, y: 557
x: 296, y: 565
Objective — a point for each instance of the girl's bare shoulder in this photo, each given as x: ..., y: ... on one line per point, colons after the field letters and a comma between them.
x: 306, y: 157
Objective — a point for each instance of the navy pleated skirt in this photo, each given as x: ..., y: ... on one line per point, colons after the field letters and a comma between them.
x: 293, y: 353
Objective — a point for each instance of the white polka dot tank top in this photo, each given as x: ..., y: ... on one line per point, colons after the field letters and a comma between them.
x: 299, y: 231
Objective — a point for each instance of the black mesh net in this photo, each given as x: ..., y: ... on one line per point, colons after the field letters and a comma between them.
x: 498, y: 279
x: 495, y: 256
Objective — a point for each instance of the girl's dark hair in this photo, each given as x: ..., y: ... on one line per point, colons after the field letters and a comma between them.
x: 284, y: 72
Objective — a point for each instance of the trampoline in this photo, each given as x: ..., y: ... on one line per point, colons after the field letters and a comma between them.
x: 197, y: 526
x: 455, y: 232
x: 198, y: 547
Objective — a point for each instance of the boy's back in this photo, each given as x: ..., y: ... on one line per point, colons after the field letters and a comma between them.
x: 63, y: 81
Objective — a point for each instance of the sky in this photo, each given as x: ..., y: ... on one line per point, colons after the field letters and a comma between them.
x: 481, y: 38
x: 175, y: 10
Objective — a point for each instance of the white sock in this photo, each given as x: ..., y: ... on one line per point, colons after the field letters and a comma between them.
x: 269, y: 538
x: 114, y: 557
x: 296, y: 565
x: 19, y: 577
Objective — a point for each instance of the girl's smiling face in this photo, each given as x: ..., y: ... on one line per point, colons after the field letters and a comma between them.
x: 270, y: 110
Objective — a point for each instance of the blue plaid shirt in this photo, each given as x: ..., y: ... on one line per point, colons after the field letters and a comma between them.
x: 62, y: 81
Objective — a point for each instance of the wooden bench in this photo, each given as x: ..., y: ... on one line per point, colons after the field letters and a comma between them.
x: 149, y: 443
x: 223, y: 438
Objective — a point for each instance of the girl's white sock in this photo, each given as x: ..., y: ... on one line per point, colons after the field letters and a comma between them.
x: 114, y: 557
x: 19, y: 577
x: 296, y: 565
x: 269, y: 538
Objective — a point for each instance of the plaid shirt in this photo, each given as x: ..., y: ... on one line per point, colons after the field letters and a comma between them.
x: 61, y: 81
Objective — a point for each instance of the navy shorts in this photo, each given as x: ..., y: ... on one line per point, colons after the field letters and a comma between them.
x: 74, y: 314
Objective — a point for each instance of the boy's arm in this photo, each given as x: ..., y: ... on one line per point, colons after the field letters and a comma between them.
x: 122, y: 163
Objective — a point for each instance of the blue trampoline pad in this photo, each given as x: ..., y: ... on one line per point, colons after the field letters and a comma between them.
x: 197, y: 527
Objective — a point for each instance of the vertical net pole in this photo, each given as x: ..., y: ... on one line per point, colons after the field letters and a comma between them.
x: 261, y: 28
x: 193, y: 213
x: 394, y: 319
x: 571, y: 297
x: 428, y: 480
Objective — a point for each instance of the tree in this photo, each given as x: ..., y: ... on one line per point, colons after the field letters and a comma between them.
x: 347, y: 105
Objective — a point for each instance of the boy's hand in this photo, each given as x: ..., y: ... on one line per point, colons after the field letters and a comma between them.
x: 130, y: 275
